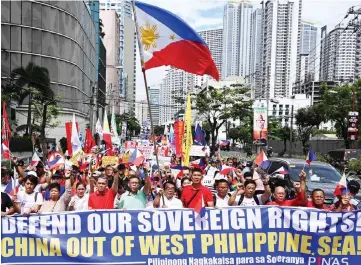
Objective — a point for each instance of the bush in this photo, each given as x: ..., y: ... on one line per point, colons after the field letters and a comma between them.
x: 324, y: 158
x: 355, y: 165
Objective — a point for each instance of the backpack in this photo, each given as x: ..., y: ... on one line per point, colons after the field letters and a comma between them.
x: 215, y: 198
x: 255, y: 198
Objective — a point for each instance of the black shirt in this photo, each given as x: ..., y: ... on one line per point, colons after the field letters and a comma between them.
x: 5, y: 202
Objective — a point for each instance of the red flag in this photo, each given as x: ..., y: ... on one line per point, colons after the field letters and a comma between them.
x: 5, y: 133
x: 68, y: 127
x: 89, y: 141
x: 178, y: 132
x: 107, y: 137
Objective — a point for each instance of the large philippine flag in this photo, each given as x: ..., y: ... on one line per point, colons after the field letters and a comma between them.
x: 168, y: 40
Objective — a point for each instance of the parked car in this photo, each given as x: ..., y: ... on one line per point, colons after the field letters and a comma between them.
x: 344, y: 155
x: 319, y: 175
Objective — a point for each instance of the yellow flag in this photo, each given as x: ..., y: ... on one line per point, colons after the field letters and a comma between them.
x: 187, y: 137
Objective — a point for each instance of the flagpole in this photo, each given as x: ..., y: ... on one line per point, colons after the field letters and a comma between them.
x: 146, y: 85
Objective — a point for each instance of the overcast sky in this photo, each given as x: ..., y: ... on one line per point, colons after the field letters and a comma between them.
x: 208, y: 14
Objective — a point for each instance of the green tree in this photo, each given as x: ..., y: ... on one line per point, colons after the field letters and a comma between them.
x: 158, y: 130
x: 29, y: 81
x: 277, y: 132
x: 307, y: 119
x: 336, y: 103
x: 234, y: 134
x: 218, y: 105
x: 33, y: 82
x: 133, y: 126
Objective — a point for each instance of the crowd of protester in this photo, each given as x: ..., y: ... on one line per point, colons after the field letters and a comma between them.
x: 39, y: 190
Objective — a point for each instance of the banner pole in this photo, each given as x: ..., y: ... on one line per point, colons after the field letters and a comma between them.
x: 146, y: 86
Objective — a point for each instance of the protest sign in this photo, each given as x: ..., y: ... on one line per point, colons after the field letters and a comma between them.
x: 199, y: 150
x: 146, y: 150
x: 110, y: 160
x: 235, y: 235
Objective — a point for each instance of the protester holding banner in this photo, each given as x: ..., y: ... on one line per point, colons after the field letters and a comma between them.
x: 7, y: 207
x: 185, y: 182
x: 343, y: 204
x: 191, y: 195
x: 166, y: 198
x: 280, y: 194
x: 135, y: 198
x: 5, y: 178
x: 354, y: 187
x: 221, y: 198
x: 317, y: 200
x: 57, y: 177
x: 57, y: 202
x: 79, y: 202
x: 29, y: 201
x: 103, y: 197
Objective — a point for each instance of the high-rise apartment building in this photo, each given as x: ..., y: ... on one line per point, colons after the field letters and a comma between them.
x: 173, y: 93
x: 255, y: 53
x: 111, y: 28
x: 214, y: 41
x: 236, y: 36
x: 307, y: 55
x: 154, y: 103
x: 142, y: 111
x: 339, y: 50
x: 127, y: 49
x: 280, y: 44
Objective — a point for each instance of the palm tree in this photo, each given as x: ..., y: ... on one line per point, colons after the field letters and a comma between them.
x: 33, y: 81
x: 101, y: 25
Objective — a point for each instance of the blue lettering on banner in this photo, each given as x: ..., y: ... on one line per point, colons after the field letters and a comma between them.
x: 235, y: 235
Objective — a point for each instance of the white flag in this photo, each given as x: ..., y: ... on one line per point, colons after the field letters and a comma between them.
x: 165, y: 130
x: 113, y: 125
x: 75, y: 142
x: 98, y: 128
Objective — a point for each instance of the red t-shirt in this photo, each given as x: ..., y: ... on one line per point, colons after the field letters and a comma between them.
x: 188, y: 193
x: 102, y: 201
x: 310, y: 204
x: 300, y: 200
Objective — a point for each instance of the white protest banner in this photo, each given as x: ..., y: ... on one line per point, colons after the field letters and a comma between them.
x: 199, y: 150
x: 147, y: 150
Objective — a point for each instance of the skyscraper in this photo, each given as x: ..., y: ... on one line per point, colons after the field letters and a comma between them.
x: 339, y: 50
x: 214, y: 41
x: 236, y: 36
x: 110, y: 20
x: 255, y: 53
x: 280, y: 22
x: 154, y: 103
x: 127, y: 49
x: 173, y: 93
x: 306, y: 68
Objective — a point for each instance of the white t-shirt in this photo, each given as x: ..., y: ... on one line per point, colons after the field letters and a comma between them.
x: 222, y: 202
x: 173, y: 203
x: 28, y: 200
x: 208, y: 181
x: 211, y: 171
x: 81, y: 204
x: 250, y: 201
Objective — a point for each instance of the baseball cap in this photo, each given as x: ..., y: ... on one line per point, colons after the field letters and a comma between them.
x: 247, y: 174
x: 249, y: 164
x: 353, y: 186
x: 31, y: 173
